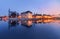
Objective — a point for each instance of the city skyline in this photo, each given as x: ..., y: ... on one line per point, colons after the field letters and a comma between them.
x: 36, y: 6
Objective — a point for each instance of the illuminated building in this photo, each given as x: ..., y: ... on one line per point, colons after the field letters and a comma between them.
x: 13, y: 14
x: 37, y: 16
x: 13, y: 17
x: 26, y: 15
x: 47, y: 16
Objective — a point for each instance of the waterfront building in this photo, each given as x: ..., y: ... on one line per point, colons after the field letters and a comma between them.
x: 47, y: 16
x: 37, y: 16
x: 13, y: 17
x: 26, y: 15
x: 0, y: 18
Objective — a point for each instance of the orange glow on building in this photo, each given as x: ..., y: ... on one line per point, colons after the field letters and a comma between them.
x: 19, y: 17
x: 47, y: 17
x: 26, y: 15
x: 29, y: 15
x: 38, y: 17
x: 50, y: 17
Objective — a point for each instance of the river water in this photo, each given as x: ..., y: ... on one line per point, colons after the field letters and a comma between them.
x: 48, y: 29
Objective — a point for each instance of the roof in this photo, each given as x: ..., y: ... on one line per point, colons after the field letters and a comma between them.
x: 26, y: 12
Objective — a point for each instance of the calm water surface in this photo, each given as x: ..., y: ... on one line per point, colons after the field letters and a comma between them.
x: 45, y: 30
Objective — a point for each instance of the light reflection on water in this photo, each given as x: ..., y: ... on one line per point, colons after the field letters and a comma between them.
x: 39, y: 29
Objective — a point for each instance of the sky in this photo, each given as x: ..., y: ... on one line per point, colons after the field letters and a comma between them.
x: 36, y: 6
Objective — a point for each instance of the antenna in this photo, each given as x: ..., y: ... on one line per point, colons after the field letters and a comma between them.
x: 9, y: 12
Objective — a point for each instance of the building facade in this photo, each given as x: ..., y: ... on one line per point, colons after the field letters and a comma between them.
x: 26, y: 15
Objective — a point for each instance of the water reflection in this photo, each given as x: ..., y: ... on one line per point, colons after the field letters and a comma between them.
x: 43, y: 21
x: 28, y: 23
x: 33, y: 29
x: 12, y: 23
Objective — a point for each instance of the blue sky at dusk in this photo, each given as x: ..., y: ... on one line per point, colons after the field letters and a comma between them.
x: 37, y: 6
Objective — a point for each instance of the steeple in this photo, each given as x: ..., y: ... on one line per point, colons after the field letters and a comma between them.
x: 9, y: 10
